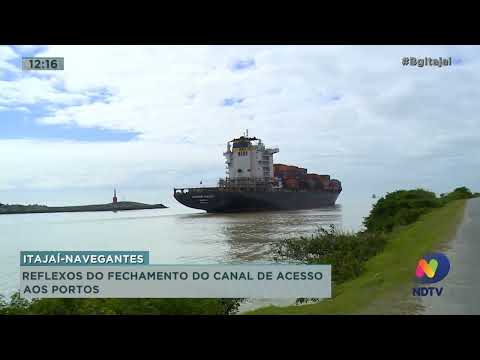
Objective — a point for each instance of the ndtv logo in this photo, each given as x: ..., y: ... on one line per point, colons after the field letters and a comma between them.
x: 427, y: 291
x: 426, y: 269
x: 431, y: 269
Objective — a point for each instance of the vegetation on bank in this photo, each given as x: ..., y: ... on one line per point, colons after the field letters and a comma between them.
x: 406, y: 206
x: 20, y: 306
x: 400, y: 208
x: 459, y: 194
x: 401, y: 227
x: 388, y: 272
x: 346, y: 252
x: 16, y: 208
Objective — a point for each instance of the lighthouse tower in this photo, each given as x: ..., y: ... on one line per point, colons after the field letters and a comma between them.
x: 114, y: 196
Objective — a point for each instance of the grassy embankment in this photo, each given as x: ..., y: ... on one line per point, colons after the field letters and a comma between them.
x: 390, y: 269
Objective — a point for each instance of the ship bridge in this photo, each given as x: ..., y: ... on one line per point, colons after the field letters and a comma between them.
x: 248, y: 162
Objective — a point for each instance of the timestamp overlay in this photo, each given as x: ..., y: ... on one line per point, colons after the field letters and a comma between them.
x: 42, y: 63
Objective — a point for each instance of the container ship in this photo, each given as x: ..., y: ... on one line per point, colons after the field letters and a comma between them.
x: 254, y: 183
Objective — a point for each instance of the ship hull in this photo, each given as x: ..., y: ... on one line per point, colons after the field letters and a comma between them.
x: 215, y: 201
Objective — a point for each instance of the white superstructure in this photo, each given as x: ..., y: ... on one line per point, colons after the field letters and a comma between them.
x: 248, y: 159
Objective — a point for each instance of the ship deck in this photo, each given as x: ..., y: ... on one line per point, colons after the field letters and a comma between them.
x: 187, y: 190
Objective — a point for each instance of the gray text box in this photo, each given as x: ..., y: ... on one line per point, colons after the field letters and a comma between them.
x: 177, y: 281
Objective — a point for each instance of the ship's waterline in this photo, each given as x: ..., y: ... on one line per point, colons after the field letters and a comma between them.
x: 216, y: 201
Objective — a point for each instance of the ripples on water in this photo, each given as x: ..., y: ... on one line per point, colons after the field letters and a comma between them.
x: 246, y: 237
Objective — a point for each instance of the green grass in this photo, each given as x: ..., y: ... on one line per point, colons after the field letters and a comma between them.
x: 388, y: 271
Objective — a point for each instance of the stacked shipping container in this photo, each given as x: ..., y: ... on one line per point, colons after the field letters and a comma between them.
x: 297, y: 178
x: 291, y: 176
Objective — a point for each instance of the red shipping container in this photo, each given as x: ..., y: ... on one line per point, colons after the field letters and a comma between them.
x: 291, y: 183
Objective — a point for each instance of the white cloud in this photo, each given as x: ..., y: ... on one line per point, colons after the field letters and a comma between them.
x: 50, y: 165
x: 29, y: 48
x: 32, y: 90
x: 13, y: 108
x: 6, y: 55
x: 390, y: 124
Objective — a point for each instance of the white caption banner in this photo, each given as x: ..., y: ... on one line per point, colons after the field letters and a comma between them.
x: 176, y: 281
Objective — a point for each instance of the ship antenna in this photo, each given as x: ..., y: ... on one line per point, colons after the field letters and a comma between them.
x: 247, y: 132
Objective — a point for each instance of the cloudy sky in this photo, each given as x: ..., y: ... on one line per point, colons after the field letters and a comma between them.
x: 153, y: 117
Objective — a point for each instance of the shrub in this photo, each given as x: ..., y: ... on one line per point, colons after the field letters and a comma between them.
x: 346, y: 252
x: 401, y: 207
x: 19, y: 306
x: 458, y: 194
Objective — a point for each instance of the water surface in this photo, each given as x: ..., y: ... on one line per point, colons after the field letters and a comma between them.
x: 177, y: 235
